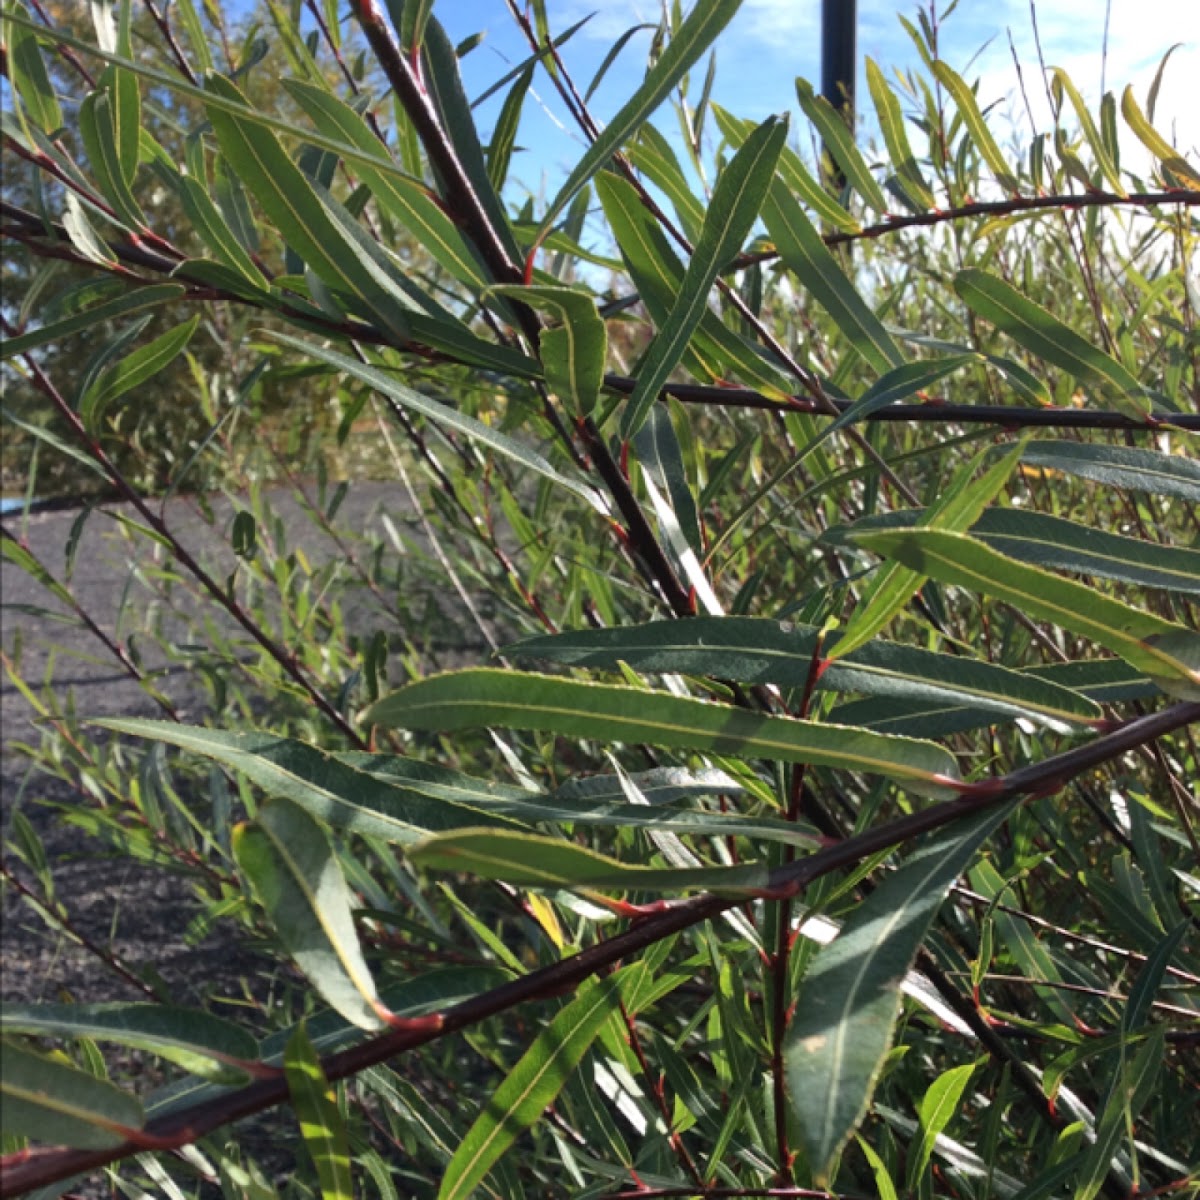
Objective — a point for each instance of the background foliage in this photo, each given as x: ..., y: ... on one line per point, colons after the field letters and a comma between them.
x: 808, y: 805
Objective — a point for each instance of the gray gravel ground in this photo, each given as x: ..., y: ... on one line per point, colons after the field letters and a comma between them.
x: 138, y: 914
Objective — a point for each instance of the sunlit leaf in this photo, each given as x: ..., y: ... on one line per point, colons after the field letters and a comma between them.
x: 516, y: 700
x: 321, y: 1124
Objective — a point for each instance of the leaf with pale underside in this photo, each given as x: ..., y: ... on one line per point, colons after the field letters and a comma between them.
x: 574, y: 351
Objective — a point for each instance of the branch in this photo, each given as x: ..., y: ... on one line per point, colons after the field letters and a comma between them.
x: 36, y: 1168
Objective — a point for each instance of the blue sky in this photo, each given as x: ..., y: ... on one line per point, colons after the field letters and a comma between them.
x: 770, y: 42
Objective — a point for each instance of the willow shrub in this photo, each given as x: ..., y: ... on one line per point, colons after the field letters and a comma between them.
x: 817, y: 813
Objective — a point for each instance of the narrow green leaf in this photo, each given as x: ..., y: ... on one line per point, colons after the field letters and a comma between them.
x: 574, y: 352
x: 958, y: 508
x: 530, y: 1087
x: 1167, y: 652
x: 544, y: 862
x: 410, y: 18
x: 49, y: 1100
x: 849, y: 1000
x: 1132, y: 1087
x: 336, y: 789
x: 291, y: 865
x: 895, y: 137
x: 684, y: 50
x: 1155, y: 142
x: 442, y: 79
x: 504, y: 135
x: 838, y: 139
x: 132, y: 301
x: 1043, y: 334
x: 1060, y: 82
x: 441, y: 414
x: 126, y: 99
x: 658, y: 275
x: 132, y: 371
x: 516, y: 700
x: 321, y: 1124
x: 977, y: 126
x: 1063, y: 545
x: 1121, y: 466
x: 27, y: 70
x: 542, y: 55
x: 806, y: 256
x: 938, y: 1106
x: 794, y: 174
x: 611, y: 57
x: 207, y: 221
x: 758, y: 650
x: 196, y: 1041
x: 898, y: 384
x: 303, y: 219
x: 652, y: 154
x: 731, y: 213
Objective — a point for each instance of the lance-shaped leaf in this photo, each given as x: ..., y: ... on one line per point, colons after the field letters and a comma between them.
x: 302, y: 220
x: 849, y: 1000
x: 977, y: 127
x: 601, y: 801
x: 838, y: 140
x: 321, y: 1123
x: 441, y: 414
x: 97, y: 127
x: 1129, y: 467
x: 530, y: 860
x: 959, y: 507
x: 132, y: 301
x: 573, y: 352
x: 504, y: 135
x: 27, y: 71
x: 292, y: 867
x: 46, y: 1099
x: 1167, y: 652
x: 793, y: 172
x: 132, y: 371
x: 405, y: 200
x: 1155, y: 142
x: 1043, y: 334
x: 807, y: 257
x: 444, y: 82
x: 1063, y: 545
x: 895, y: 137
x: 337, y: 791
x: 731, y: 213
x: 1061, y: 82
x: 530, y: 1086
x: 684, y: 50
x: 658, y: 274
x: 759, y: 650
x: 938, y: 1106
x: 652, y: 154
x: 516, y: 700
x: 196, y: 1041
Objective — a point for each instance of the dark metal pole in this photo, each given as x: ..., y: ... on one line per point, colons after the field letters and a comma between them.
x: 839, y: 61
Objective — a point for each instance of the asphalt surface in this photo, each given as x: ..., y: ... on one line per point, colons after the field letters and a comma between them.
x: 138, y: 913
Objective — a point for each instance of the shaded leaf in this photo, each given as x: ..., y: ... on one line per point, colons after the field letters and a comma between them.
x: 196, y: 1041
x: 292, y: 867
x: 533, y: 861
x: 759, y: 650
x: 530, y: 1086
x: 46, y: 1099
x: 1130, y: 467
x: 849, y: 1000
